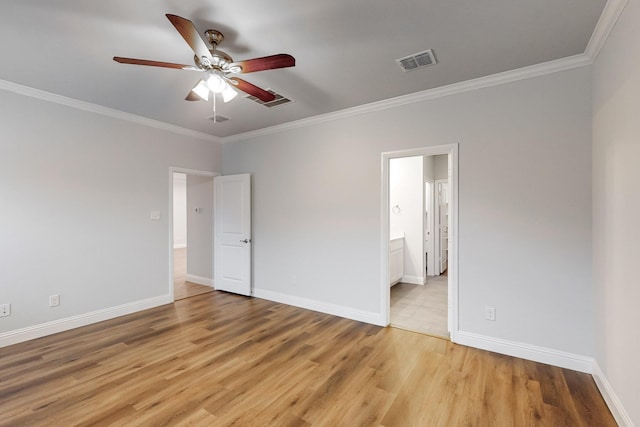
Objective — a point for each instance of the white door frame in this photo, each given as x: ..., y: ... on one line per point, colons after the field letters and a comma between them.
x: 430, y: 226
x: 452, y: 151
x: 173, y: 170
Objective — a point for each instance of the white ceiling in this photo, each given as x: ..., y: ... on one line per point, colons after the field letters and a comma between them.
x: 345, y: 50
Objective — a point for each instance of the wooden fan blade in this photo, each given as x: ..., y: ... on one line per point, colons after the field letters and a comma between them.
x: 153, y: 63
x: 281, y: 60
x: 254, y: 90
x: 190, y: 34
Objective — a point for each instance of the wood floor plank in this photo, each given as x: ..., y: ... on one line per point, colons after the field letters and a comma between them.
x: 410, y: 400
x: 527, y: 397
x: 590, y: 406
x: 201, y: 417
x: 366, y: 408
x: 226, y: 360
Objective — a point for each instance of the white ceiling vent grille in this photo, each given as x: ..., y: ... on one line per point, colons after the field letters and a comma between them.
x: 219, y: 118
x: 279, y: 100
x: 418, y: 60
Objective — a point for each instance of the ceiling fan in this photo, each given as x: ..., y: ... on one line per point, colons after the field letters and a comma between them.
x: 218, y: 65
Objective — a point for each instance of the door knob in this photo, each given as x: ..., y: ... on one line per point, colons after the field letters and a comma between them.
x: 245, y: 241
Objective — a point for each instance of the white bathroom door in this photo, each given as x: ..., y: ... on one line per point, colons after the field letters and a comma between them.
x: 232, y: 248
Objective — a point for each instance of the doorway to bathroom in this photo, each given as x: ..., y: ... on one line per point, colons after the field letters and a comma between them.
x: 420, y: 208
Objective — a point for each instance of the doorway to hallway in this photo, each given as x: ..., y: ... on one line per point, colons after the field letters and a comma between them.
x: 192, y: 233
x: 181, y: 287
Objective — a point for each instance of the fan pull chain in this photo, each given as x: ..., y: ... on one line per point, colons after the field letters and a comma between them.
x: 215, y: 117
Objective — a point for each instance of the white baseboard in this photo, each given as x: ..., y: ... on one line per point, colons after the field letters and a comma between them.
x: 179, y: 245
x: 199, y: 280
x: 497, y: 345
x: 615, y: 406
x: 414, y: 280
x: 61, y: 325
x: 323, y: 307
x: 526, y: 351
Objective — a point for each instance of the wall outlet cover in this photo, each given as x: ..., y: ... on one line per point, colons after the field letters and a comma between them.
x: 5, y: 310
x: 490, y: 313
x: 54, y: 300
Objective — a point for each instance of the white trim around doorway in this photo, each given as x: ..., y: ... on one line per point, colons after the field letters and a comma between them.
x: 452, y: 151
x: 173, y: 170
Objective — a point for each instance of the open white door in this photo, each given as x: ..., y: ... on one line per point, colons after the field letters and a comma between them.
x: 232, y: 247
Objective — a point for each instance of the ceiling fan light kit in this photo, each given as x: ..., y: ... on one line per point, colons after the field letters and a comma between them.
x: 228, y: 94
x: 201, y: 90
x: 218, y: 65
x: 216, y: 83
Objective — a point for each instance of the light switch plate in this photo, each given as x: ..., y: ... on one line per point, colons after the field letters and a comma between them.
x: 155, y: 215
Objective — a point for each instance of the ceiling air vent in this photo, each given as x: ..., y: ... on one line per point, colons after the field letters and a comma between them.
x: 280, y: 100
x: 418, y: 60
x: 219, y: 118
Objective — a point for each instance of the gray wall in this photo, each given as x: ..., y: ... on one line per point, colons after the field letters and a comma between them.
x: 441, y: 166
x: 616, y: 208
x: 429, y: 173
x: 200, y: 226
x: 76, y: 192
x: 179, y: 210
x: 525, y: 222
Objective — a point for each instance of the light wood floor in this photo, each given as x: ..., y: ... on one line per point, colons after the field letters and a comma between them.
x: 219, y: 360
x: 181, y: 288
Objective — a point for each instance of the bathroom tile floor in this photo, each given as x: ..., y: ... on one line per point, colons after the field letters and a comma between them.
x: 421, y: 308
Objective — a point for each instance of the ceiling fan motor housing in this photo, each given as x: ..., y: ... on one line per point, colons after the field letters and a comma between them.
x: 218, y: 60
x: 214, y: 37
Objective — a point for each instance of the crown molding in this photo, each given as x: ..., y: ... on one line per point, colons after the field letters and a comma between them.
x: 608, y: 19
x: 105, y: 111
x: 542, y: 69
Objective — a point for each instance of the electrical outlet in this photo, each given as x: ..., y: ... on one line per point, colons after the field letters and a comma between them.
x: 5, y: 310
x: 294, y: 281
x: 490, y: 313
x: 54, y: 300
